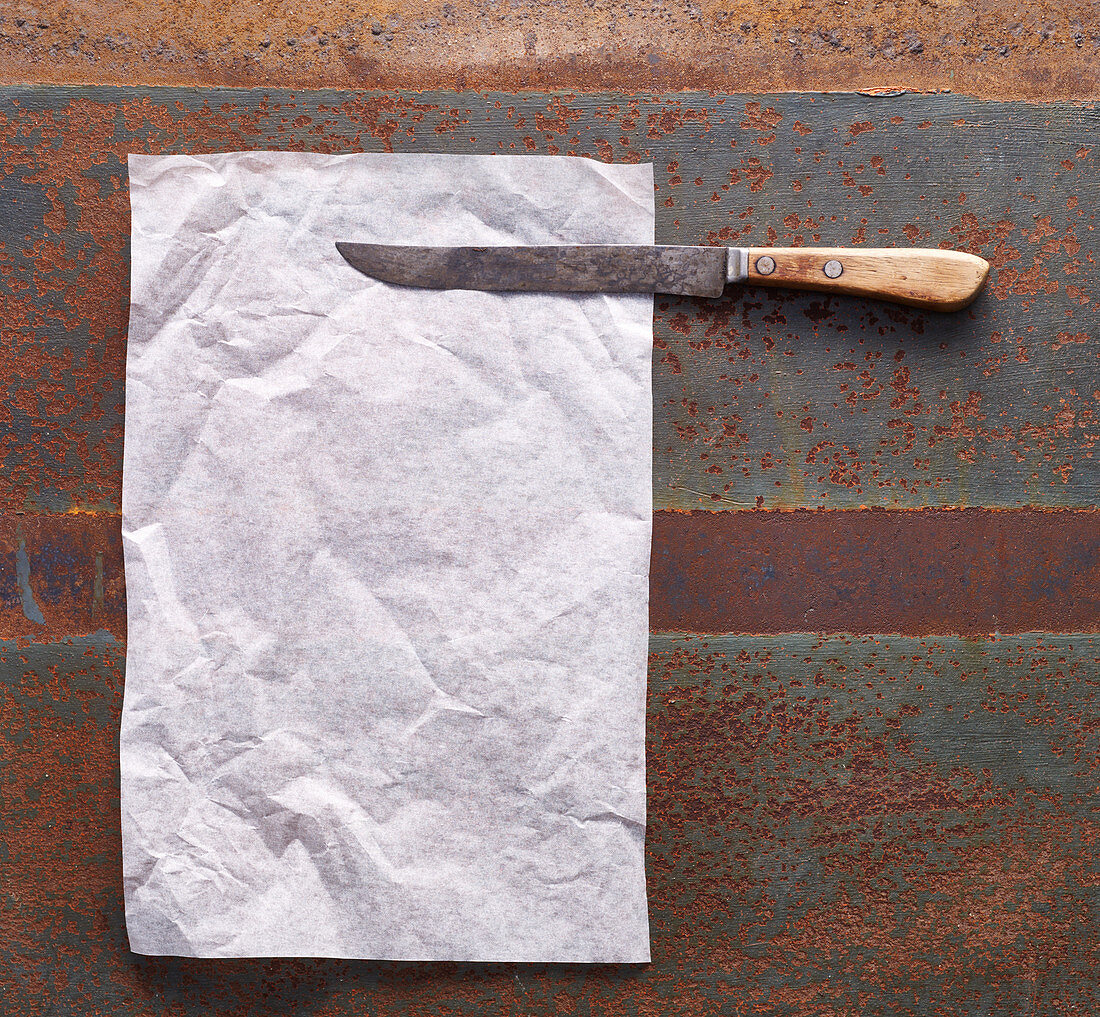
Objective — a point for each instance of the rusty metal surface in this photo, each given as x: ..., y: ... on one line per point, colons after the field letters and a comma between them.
x: 839, y: 824
x: 61, y: 576
x: 764, y: 398
x: 993, y: 48
x: 961, y: 571
x: 969, y: 571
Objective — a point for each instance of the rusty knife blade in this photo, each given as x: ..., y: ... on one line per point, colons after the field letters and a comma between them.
x: 583, y: 268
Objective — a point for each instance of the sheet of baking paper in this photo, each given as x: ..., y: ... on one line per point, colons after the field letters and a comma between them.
x: 386, y: 562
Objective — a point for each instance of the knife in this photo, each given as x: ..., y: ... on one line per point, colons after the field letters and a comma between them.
x: 931, y: 278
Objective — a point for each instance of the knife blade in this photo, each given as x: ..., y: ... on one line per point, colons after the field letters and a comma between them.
x: 929, y: 278
x: 693, y: 271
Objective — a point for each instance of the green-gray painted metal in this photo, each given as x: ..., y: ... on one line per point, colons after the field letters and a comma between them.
x: 873, y: 824
x: 771, y: 398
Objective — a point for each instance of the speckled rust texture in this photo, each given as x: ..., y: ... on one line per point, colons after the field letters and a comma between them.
x: 763, y: 398
x: 837, y: 825
x: 993, y: 48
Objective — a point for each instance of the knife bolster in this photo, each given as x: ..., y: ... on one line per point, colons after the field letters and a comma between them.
x: 920, y: 277
x: 737, y: 264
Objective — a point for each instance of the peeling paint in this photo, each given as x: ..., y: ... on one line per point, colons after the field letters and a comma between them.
x: 31, y: 611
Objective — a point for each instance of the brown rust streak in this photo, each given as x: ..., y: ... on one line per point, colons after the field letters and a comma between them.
x: 992, y: 48
x: 966, y: 571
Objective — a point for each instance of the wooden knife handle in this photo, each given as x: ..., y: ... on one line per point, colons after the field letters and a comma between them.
x: 919, y: 277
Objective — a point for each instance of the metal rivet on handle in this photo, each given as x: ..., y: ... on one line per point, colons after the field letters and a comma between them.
x: 765, y: 265
x: 833, y: 268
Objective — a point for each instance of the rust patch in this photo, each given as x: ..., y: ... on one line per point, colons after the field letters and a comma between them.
x: 992, y: 49
x: 837, y: 804
x: 965, y: 571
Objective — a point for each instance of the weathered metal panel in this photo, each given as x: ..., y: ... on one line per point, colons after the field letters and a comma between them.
x: 963, y: 571
x: 762, y: 398
x: 994, y: 48
x: 837, y: 825
x: 966, y: 571
x: 841, y: 824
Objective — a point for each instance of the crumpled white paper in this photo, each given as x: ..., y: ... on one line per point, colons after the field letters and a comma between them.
x: 386, y: 560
